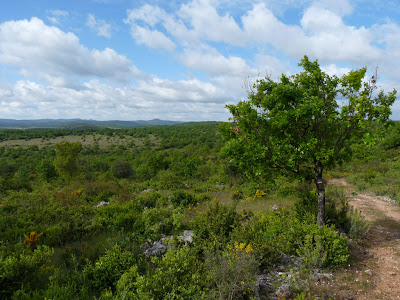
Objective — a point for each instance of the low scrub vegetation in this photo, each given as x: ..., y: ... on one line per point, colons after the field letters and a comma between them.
x: 81, y: 228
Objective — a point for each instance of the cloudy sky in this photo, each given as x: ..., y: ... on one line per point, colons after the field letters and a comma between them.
x: 179, y: 60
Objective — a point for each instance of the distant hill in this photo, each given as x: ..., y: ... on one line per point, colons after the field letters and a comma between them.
x: 79, y: 123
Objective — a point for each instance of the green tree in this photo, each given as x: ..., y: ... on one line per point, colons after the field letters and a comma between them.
x: 302, y: 124
x: 66, y: 159
x: 46, y: 170
x: 122, y: 169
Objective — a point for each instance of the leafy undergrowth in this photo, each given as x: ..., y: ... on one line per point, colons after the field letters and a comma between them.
x: 97, y: 213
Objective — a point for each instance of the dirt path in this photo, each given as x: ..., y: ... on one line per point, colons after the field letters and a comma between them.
x: 376, y: 273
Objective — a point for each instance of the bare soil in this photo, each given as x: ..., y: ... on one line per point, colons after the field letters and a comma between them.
x: 374, y: 272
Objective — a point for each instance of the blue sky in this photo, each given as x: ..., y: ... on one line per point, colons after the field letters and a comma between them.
x: 179, y: 60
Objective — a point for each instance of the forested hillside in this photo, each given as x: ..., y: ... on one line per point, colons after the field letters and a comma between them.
x: 157, y: 213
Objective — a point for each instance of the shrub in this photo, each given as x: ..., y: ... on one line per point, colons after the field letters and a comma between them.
x: 212, y: 229
x: 323, y: 247
x: 182, y: 198
x: 122, y: 169
x: 176, y: 276
x: 158, y: 221
x: 203, y: 198
x: 358, y: 226
x: 280, y: 232
x: 168, y: 180
x: 21, y: 267
x: 232, y: 273
x: 106, y: 272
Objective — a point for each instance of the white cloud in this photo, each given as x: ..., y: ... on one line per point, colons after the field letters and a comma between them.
x: 56, y: 15
x: 102, y: 28
x: 212, y: 39
x: 47, y: 52
x: 339, y: 7
x: 333, y: 69
x: 269, y: 65
x: 214, y: 63
x: 156, y: 98
x: 207, y: 24
x: 59, y: 13
x: 321, y: 33
x: 152, y: 38
x: 195, y: 21
x: 148, y: 35
x: 150, y: 15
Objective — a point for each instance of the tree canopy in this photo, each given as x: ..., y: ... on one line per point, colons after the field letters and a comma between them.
x: 301, y: 124
x: 66, y: 158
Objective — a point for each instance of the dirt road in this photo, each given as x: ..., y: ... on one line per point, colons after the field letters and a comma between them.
x: 376, y: 272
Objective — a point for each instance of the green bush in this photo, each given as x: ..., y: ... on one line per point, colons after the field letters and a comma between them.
x: 232, y: 273
x: 336, y: 207
x: 168, y: 180
x: 21, y: 267
x: 182, y: 198
x: 323, y: 247
x: 53, y: 291
x: 122, y: 169
x: 275, y: 233
x: 176, y: 276
x: 358, y: 226
x: 158, y: 221
x: 106, y: 272
x: 46, y: 170
x: 212, y: 229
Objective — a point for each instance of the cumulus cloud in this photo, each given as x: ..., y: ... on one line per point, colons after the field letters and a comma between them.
x: 321, y: 32
x: 101, y: 27
x: 209, y: 25
x: 47, y: 52
x: 209, y: 39
x: 148, y: 14
x: 214, y: 63
x: 152, y: 38
x: 155, y: 98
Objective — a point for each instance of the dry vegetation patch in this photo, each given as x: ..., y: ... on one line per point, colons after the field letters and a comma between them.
x: 103, y: 141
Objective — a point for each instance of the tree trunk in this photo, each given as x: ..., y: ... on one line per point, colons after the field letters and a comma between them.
x: 321, y: 194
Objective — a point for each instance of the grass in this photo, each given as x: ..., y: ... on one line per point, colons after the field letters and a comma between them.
x: 263, y: 204
x: 87, y: 140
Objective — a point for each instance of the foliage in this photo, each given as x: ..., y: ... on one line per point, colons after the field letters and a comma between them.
x: 182, y: 198
x: 180, y: 182
x: 176, y: 276
x: 232, y: 273
x: 46, y: 170
x: 21, y: 267
x: 212, y: 229
x: 106, y: 272
x: 275, y: 233
x: 66, y: 159
x: 323, y: 247
x: 122, y: 169
x: 297, y: 126
x: 358, y: 226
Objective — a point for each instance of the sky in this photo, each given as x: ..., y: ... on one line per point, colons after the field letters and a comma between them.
x: 179, y: 60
